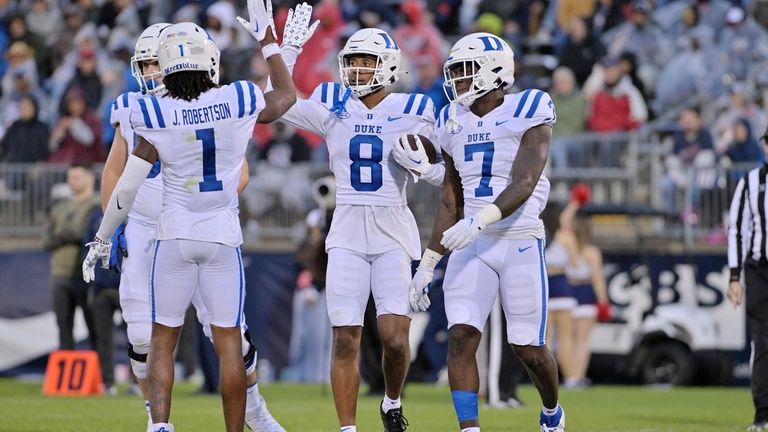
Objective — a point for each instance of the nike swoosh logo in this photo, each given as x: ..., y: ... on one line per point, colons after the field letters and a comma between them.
x: 257, y: 27
x: 499, y: 123
x: 521, y: 250
x: 415, y: 161
x: 393, y: 118
x: 118, y: 203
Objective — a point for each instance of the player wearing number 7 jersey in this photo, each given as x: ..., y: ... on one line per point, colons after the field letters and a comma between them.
x: 373, y: 236
x: 199, y: 131
x: 495, y: 145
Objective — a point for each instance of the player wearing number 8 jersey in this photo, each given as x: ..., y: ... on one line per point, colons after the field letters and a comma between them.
x: 199, y: 131
x: 373, y: 236
x: 495, y: 145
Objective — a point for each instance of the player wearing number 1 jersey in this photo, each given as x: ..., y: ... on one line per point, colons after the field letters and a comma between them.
x: 373, y: 236
x: 199, y: 131
x: 495, y: 144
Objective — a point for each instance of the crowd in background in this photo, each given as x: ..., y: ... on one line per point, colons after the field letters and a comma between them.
x: 611, y: 65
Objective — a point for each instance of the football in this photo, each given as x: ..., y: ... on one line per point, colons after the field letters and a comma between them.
x: 429, y: 148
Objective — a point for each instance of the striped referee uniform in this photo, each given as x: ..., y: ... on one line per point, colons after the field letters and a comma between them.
x: 747, y: 241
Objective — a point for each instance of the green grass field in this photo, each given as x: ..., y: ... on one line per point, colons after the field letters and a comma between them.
x: 305, y: 408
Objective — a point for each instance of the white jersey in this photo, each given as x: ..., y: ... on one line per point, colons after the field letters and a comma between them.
x: 483, y: 150
x: 371, y: 215
x: 146, y: 207
x: 360, y: 140
x: 201, y: 145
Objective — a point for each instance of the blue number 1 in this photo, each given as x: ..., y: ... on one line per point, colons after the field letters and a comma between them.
x: 484, y: 189
x: 374, y: 162
x: 181, y: 50
x: 210, y: 183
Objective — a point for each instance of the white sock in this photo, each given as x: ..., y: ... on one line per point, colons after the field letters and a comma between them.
x: 162, y: 427
x: 352, y: 428
x: 388, y: 404
x: 253, y: 401
x: 471, y: 429
x: 550, y: 412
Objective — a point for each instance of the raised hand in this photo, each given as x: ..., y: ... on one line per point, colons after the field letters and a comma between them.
x: 260, y: 19
x: 297, y: 30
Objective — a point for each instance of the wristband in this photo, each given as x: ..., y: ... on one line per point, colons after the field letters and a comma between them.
x: 489, y: 214
x: 430, y: 259
x: 270, y: 50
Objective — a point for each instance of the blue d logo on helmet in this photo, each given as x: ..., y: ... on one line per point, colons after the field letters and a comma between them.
x: 391, y: 44
x: 492, y: 43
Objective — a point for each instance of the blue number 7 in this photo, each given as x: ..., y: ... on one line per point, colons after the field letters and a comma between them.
x: 484, y: 189
x: 210, y: 183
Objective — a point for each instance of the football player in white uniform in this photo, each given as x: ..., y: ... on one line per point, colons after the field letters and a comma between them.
x: 138, y: 234
x: 495, y: 145
x: 200, y: 133
x: 373, y: 236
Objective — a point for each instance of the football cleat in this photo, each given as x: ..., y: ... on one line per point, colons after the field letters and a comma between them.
x: 554, y: 423
x: 262, y: 420
x: 393, y: 420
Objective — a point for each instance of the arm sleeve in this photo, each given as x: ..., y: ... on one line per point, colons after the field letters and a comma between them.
x: 738, y: 225
x: 136, y: 170
x: 290, y: 53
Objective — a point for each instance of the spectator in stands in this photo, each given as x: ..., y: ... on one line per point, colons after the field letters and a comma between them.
x: 692, y: 137
x: 63, y: 236
x: 567, y: 10
x: 744, y: 43
x: 418, y: 37
x: 690, y: 142
x: 739, y: 105
x: 628, y: 63
x: 220, y: 23
x: 119, y: 13
x: 77, y: 135
x: 581, y: 50
x: 87, y: 79
x: 571, y: 106
x: 689, y: 20
x: 606, y: 15
x: 7, y: 9
x: 430, y: 81
x: 744, y: 148
x: 21, y: 80
x: 19, y: 32
x: 44, y: 19
x: 643, y: 38
x: 74, y: 18
x: 20, y: 61
x: 616, y: 104
x: 27, y: 138
x: 695, y: 71
x: 712, y: 13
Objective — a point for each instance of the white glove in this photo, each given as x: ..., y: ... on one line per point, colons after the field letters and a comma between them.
x: 418, y: 290
x: 97, y: 250
x: 468, y: 229
x: 413, y: 160
x: 260, y: 16
x: 462, y: 233
x: 297, y: 30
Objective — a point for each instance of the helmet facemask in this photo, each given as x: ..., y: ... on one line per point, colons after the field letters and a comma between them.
x: 378, y: 75
x: 149, y: 83
x: 455, y: 74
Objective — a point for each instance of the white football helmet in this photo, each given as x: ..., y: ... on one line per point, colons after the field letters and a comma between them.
x: 486, y: 60
x: 375, y: 42
x: 146, y: 49
x: 187, y: 47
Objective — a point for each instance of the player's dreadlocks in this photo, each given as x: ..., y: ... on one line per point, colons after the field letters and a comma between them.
x: 188, y: 85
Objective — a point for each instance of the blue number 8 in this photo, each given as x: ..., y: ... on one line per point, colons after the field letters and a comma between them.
x: 484, y: 189
x: 210, y: 183
x: 374, y: 162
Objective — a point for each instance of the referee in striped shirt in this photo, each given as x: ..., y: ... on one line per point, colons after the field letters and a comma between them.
x: 747, y: 241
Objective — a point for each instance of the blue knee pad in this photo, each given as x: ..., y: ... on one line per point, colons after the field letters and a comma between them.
x: 465, y: 404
